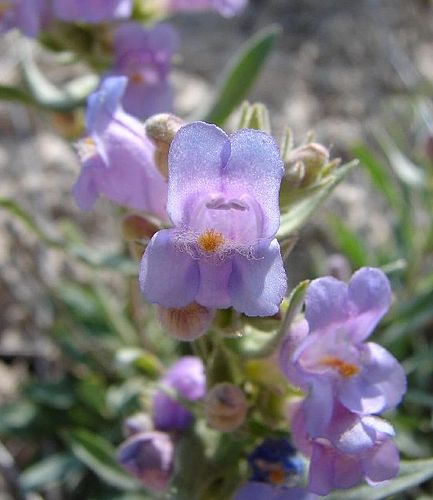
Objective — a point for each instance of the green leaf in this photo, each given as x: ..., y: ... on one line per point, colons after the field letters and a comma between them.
x: 52, y: 469
x: 303, y: 202
x: 409, y: 174
x: 99, y: 455
x: 59, y: 395
x: 294, y: 304
x: 411, y: 474
x: 349, y: 242
x: 241, y: 75
x: 9, y: 93
x: 48, y: 95
x: 378, y: 175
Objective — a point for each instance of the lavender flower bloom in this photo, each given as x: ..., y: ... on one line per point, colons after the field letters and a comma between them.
x: 350, y: 449
x: 325, y: 354
x: 226, y: 8
x: 26, y: 15
x: 223, y: 202
x: 117, y: 156
x: 187, y: 377
x: 144, y: 56
x: 149, y: 456
x: 263, y: 491
x: 92, y: 11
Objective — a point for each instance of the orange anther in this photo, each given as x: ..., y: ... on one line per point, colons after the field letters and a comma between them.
x: 210, y: 241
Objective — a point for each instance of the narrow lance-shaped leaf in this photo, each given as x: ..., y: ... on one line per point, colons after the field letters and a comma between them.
x: 99, y: 455
x: 48, y: 95
x: 241, y: 75
x: 305, y: 201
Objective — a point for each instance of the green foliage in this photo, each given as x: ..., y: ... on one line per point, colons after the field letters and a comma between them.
x: 241, y: 75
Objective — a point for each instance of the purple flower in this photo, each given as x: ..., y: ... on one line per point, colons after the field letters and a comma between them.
x: 149, y: 456
x: 254, y: 490
x: 226, y: 8
x: 350, y: 449
x: 25, y: 15
x: 187, y: 377
x: 325, y: 354
x: 117, y: 156
x: 223, y: 201
x: 92, y: 11
x: 144, y: 56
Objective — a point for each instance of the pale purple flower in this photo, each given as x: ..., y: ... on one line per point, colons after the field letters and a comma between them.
x: 226, y: 8
x: 25, y: 15
x: 325, y: 354
x: 92, y: 11
x: 144, y: 56
x: 350, y: 449
x: 149, y: 456
x: 223, y: 201
x: 117, y: 156
x: 186, y: 377
x: 254, y: 490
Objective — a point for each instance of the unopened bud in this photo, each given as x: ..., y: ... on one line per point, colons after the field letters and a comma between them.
x: 149, y: 456
x: 140, y: 422
x: 136, y: 227
x: 161, y: 130
x: 305, y: 163
x: 186, y: 323
x: 226, y: 407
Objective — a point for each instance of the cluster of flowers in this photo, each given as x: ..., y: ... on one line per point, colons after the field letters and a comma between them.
x: 29, y: 16
x: 149, y: 451
x: 348, y: 382
x: 221, y: 197
x: 142, y: 54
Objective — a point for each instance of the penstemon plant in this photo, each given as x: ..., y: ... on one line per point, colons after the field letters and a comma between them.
x: 216, y: 379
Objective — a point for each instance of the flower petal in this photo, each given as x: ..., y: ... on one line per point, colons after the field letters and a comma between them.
x: 321, y: 472
x: 168, y: 276
x: 297, y: 333
x: 257, y: 285
x: 382, y: 463
x: 255, y: 167
x: 370, y: 298
x: 85, y: 190
x: 380, y: 386
x: 326, y: 303
x: 213, y: 291
x: 195, y: 161
x: 318, y: 407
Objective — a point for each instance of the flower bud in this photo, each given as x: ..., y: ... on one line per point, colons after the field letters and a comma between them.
x: 161, y: 130
x: 136, y: 227
x: 149, y: 456
x: 187, y: 377
x: 305, y: 163
x: 186, y: 323
x: 226, y: 407
x: 135, y: 424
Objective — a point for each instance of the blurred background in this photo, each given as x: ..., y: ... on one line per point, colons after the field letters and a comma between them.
x: 358, y: 73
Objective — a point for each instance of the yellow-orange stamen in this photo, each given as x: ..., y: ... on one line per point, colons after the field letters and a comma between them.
x: 210, y: 241
x: 277, y: 477
x: 344, y: 369
x: 137, y: 78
